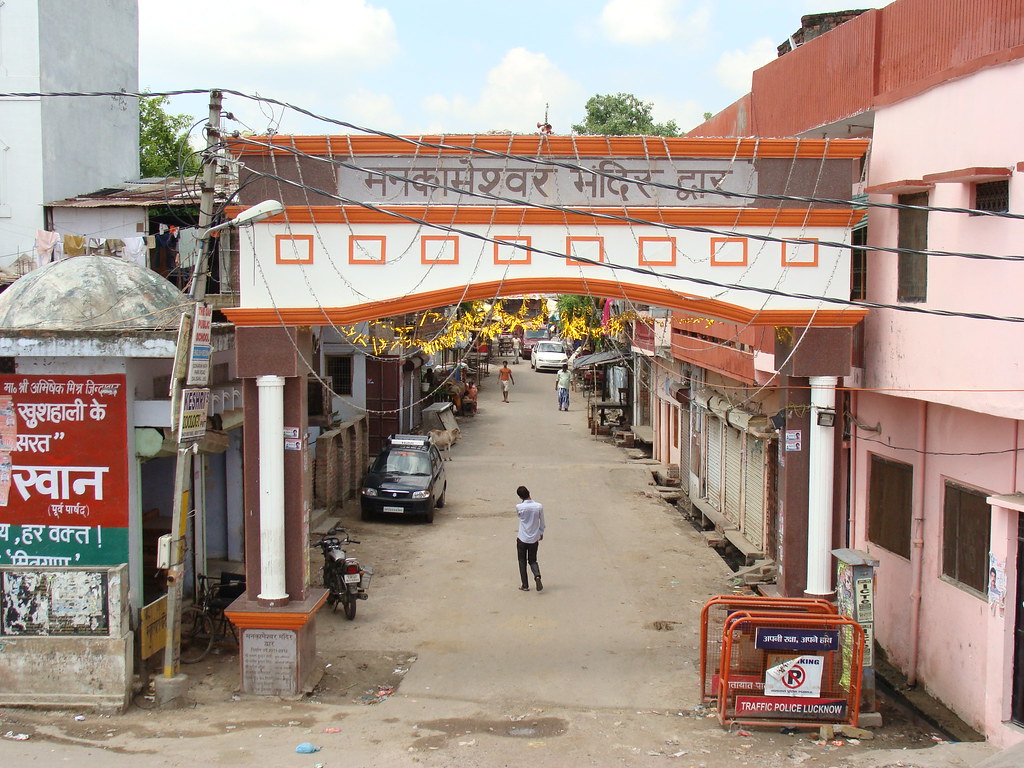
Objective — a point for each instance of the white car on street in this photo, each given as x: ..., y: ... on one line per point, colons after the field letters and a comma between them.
x: 548, y: 356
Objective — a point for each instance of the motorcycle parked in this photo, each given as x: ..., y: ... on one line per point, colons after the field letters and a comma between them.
x: 343, y: 577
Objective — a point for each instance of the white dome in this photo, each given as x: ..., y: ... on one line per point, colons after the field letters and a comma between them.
x: 91, y: 293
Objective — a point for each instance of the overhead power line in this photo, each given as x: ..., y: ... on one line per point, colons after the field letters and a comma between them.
x: 536, y: 159
x: 633, y: 219
x: 394, y: 213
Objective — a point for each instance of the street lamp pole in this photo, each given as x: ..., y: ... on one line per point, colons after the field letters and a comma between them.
x: 174, y: 683
x: 170, y: 688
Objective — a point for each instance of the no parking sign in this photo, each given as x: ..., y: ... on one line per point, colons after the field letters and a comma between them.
x: 797, y: 677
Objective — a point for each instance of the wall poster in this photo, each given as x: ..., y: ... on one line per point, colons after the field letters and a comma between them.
x: 66, y: 481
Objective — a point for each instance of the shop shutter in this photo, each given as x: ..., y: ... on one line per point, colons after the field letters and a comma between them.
x: 754, y: 493
x: 733, y: 451
x: 684, y: 447
x: 713, y: 430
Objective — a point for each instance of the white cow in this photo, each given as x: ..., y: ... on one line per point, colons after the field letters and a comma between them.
x: 444, y: 439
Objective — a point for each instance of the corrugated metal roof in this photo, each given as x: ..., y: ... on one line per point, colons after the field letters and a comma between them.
x: 146, y: 193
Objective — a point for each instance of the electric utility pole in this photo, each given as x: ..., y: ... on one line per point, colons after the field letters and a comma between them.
x: 168, y: 691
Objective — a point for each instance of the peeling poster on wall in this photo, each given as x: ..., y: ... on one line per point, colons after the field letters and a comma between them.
x: 37, y: 603
x: 996, y: 586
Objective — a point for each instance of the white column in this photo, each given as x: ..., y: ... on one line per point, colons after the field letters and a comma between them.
x: 271, y: 412
x: 819, y: 487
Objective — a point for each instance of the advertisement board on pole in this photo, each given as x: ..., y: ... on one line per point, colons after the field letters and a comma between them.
x: 195, y: 404
x: 201, y: 347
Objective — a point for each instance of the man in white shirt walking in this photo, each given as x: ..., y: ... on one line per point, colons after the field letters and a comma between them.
x: 531, y: 531
x: 562, y: 381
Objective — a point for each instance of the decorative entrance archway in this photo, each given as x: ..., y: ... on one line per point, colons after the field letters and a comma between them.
x: 382, y: 226
x: 715, y: 227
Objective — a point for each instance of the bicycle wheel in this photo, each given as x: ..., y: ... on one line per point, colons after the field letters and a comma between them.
x: 196, y: 635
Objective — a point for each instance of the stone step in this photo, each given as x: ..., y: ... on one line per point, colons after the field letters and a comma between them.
x: 713, y: 538
x: 322, y: 525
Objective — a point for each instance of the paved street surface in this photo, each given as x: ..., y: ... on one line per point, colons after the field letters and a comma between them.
x: 448, y: 664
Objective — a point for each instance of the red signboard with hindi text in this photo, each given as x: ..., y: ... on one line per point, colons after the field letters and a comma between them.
x: 67, y: 486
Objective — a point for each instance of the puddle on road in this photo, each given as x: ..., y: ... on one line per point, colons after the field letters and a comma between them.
x: 662, y: 625
x: 465, y: 727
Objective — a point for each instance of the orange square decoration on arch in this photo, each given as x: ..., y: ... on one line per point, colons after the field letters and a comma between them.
x: 293, y: 249
x: 729, y: 251
x: 802, y: 254
x: 366, y: 249
x: 590, y: 248
x: 657, y: 251
x: 439, y: 249
x: 506, y: 252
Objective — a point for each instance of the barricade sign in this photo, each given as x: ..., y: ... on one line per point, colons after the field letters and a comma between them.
x: 796, y: 669
x: 712, y: 621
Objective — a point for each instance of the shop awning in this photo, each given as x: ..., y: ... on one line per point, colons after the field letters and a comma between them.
x: 599, y: 358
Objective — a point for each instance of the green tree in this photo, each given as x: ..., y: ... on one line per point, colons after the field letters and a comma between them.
x: 164, y: 149
x: 622, y: 114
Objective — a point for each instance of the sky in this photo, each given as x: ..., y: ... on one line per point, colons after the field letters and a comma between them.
x: 461, y: 66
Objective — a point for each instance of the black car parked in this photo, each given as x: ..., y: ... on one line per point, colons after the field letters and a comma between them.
x: 406, y: 478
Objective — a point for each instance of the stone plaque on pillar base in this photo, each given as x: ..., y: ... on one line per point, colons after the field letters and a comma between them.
x: 278, y: 645
x: 269, y: 665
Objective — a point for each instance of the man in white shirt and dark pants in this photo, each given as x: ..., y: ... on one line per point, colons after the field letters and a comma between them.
x: 531, y: 531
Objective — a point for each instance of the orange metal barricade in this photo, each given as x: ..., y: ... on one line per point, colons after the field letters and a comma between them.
x: 712, y: 620
x: 779, y: 669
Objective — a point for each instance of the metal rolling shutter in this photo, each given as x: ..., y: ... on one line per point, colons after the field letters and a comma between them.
x: 713, y: 430
x: 684, y: 446
x: 754, y: 493
x: 733, y: 450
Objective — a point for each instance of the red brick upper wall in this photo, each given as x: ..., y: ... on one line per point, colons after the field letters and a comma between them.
x: 881, y: 57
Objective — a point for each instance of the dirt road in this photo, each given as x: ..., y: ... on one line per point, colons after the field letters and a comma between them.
x: 449, y: 664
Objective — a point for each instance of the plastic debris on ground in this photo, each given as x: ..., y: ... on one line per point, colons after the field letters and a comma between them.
x: 382, y: 692
x: 332, y: 730
x: 305, y: 748
x: 16, y: 736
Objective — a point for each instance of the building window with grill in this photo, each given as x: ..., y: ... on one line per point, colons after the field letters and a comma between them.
x: 966, y: 525
x: 339, y: 373
x: 913, y: 235
x: 859, y: 264
x: 890, y: 505
x: 992, y: 196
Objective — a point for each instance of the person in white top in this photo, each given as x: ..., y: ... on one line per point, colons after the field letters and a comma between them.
x: 562, y: 381
x: 531, y: 531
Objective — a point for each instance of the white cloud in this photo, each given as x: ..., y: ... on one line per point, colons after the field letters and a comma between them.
x: 687, y: 113
x: 514, y: 99
x: 640, y: 22
x: 734, y: 68
x: 368, y: 109
x: 257, y: 35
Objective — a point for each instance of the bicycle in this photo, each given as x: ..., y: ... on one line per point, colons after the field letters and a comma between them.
x: 203, y: 623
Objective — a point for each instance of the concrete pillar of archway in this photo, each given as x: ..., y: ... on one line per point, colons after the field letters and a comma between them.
x: 803, y: 354
x: 278, y: 628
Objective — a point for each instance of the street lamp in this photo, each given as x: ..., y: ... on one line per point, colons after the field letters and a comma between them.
x: 252, y: 215
x: 249, y: 216
x: 172, y: 684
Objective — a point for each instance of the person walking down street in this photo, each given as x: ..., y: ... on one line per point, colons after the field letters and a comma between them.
x: 517, y: 349
x: 531, y: 531
x: 562, y: 381
x: 505, y: 377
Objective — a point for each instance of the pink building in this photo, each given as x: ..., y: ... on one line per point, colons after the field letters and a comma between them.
x: 930, y: 460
